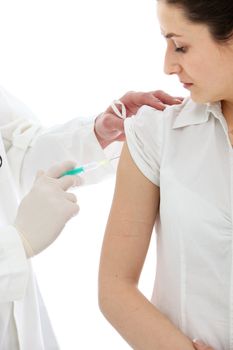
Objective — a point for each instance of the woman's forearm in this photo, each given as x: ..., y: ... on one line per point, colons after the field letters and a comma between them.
x: 127, y: 238
x: 138, y: 321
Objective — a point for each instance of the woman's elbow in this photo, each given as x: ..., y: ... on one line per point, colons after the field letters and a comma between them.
x: 114, y: 295
x: 105, y: 297
x: 110, y: 295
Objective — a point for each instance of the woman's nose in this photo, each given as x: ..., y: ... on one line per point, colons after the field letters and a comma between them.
x: 171, y: 66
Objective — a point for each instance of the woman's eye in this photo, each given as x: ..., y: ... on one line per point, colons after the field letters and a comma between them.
x: 181, y: 49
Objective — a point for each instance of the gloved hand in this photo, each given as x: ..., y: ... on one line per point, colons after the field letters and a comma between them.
x: 45, y: 210
x: 109, y: 127
x: 199, y: 345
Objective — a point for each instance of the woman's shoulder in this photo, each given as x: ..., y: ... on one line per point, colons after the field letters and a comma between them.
x: 174, y: 116
x: 151, y: 125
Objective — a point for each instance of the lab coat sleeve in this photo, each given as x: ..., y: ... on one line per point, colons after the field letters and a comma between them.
x: 71, y: 141
x: 31, y: 147
x: 14, y: 267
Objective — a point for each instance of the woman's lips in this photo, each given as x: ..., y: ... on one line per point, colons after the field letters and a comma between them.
x: 187, y: 85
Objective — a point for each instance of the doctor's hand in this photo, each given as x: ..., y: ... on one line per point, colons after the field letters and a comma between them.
x: 109, y: 127
x: 45, y: 210
x: 199, y: 345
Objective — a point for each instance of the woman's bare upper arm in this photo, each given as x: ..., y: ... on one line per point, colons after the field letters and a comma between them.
x: 131, y: 220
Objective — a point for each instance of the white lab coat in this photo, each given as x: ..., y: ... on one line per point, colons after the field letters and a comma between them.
x: 24, y: 148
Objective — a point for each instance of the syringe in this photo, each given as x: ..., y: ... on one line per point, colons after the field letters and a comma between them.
x: 87, y: 167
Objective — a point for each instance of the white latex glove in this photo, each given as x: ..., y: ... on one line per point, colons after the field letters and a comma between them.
x: 109, y: 127
x: 45, y: 210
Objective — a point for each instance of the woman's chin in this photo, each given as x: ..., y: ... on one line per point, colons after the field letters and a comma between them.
x: 199, y: 99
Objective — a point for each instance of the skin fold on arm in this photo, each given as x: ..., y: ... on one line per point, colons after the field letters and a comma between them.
x: 127, y: 237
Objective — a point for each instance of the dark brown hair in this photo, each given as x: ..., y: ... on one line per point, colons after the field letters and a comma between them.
x: 216, y: 14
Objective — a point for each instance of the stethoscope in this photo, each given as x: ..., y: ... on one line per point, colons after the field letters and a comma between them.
x: 0, y: 161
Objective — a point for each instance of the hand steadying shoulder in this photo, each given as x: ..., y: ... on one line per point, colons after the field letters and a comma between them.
x: 109, y: 127
x: 199, y: 345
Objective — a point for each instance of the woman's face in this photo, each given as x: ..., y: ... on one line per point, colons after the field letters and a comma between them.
x: 204, y: 66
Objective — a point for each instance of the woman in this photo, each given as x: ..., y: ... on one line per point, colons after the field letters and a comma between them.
x: 178, y: 172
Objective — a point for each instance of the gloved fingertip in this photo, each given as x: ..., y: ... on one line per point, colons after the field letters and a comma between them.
x: 76, y: 211
x: 159, y: 105
x: 198, y: 344
x: 78, y: 181
x: 177, y: 100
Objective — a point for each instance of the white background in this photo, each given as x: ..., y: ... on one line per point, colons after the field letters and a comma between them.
x: 68, y: 58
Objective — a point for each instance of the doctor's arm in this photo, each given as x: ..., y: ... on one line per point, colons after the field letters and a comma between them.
x: 127, y: 237
x: 30, y: 147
